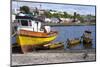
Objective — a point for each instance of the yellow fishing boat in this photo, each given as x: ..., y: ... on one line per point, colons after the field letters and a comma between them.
x: 35, y: 38
x: 31, y: 32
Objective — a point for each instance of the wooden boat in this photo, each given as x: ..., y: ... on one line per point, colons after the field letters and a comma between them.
x: 87, y: 43
x: 49, y: 46
x: 73, y: 42
x: 29, y: 33
x: 26, y: 37
x: 56, y: 45
x: 87, y: 40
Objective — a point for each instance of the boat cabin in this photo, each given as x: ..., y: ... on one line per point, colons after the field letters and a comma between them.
x: 87, y: 34
x: 30, y: 23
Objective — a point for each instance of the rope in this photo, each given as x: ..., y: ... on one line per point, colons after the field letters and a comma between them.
x: 13, y: 34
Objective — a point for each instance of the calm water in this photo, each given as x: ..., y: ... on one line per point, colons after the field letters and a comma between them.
x: 74, y: 32
x: 71, y: 32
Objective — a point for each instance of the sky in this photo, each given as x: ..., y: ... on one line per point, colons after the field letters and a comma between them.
x: 83, y: 10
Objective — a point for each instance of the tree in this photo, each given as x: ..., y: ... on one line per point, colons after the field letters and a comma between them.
x: 47, y: 14
x: 79, y: 17
x: 74, y: 17
x: 65, y: 14
x: 25, y: 9
x: 56, y: 15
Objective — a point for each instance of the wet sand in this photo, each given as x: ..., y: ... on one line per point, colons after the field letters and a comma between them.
x: 53, y: 56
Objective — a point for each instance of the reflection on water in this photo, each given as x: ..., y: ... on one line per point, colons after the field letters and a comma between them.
x: 71, y: 32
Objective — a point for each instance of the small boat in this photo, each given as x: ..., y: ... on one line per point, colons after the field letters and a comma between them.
x: 87, y: 40
x: 73, y: 42
x: 55, y: 45
x: 50, y: 46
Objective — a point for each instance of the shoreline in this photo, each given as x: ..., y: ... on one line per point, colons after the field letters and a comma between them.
x: 92, y: 50
x: 69, y: 24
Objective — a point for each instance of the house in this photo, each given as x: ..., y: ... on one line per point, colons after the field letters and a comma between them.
x: 41, y: 12
x: 47, y: 20
x: 53, y: 12
x: 55, y: 20
x: 78, y: 21
x: 37, y: 11
x: 89, y: 18
x: 66, y: 20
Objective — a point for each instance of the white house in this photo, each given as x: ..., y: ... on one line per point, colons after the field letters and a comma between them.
x: 55, y: 20
x: 47, y: 20
x: 52, y: 12
x: 66, y: 20
x: 78, y: 21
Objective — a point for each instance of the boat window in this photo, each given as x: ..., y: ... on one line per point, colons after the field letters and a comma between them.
x: 18, y: 21
x: 29, y: 23
x: 24, y: 22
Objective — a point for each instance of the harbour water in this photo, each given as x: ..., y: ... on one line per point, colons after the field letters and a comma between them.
x: 72, y: 32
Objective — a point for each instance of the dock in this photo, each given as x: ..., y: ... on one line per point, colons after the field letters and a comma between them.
x: 53, y: 56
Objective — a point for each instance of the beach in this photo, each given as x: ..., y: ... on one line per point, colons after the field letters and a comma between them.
x: 53, y: 56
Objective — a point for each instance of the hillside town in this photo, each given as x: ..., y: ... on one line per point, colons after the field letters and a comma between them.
x: 56, y: 17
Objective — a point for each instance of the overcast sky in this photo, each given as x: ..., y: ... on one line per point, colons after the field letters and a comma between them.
x: 83, y: 10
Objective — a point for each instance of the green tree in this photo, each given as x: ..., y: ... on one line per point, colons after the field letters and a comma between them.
x: 65, y: 15
x: 75, y: 16
x: 79, y: 17
x: 48, y: 14
x: 56, y: 15
x: 25, y: 9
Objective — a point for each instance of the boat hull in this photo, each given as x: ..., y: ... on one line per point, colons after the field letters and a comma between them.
x: 73, y: 43
x: 55, y: 45
x: 35, y: 38
x: 87, y: 43
x: 28, y: 40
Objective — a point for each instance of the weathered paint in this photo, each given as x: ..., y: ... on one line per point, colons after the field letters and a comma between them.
x: 27, y: 40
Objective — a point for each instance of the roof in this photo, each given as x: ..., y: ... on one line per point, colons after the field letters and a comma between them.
x: 29, y: 18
